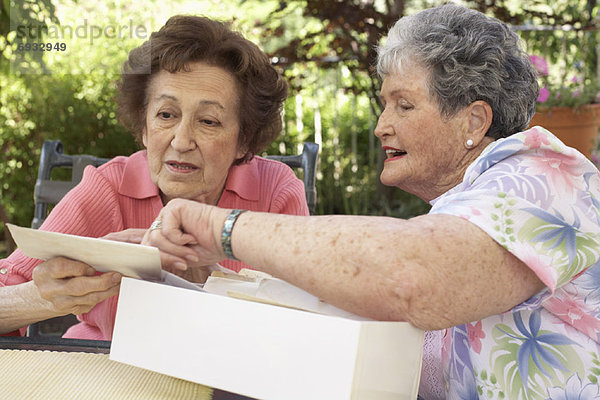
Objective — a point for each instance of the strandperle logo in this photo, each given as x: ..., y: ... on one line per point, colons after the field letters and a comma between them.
x: 84, y: 30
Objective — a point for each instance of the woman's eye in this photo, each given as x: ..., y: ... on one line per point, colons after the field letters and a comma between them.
x: 165, y: 115
x: 405, y: 106
x: 209, y: 122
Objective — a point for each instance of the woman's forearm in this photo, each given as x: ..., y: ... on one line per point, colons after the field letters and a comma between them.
x: 21, y: 305
x: 424, y: 270
x: 329, y: 256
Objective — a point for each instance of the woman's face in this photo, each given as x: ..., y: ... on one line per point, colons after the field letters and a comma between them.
x: 425, y: 153
x: 192, y: 131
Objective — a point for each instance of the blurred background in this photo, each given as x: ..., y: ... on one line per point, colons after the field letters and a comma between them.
x: 325, y: 48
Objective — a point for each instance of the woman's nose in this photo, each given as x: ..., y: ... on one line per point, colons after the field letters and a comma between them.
x: 183, y: 138
x: 384, y: 125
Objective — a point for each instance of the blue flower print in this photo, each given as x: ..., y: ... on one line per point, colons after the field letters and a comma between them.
x: 557, y: 230
x: 536, y: 346
x: 503, y: 149
x: 573, y: 390
x: 590, y: 280
x: 465, y: 389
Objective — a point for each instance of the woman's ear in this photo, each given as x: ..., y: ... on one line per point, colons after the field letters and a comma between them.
x: 145, y: 137
x: 241, y: 153
x: 242, y: 149
x: 479, y: 115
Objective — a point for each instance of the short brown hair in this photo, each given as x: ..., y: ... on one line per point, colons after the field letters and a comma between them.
x: 187, y: 39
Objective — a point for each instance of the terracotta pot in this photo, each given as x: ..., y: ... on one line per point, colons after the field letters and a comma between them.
x: 576, y: 128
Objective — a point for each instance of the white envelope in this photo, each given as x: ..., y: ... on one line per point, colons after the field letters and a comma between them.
x: 134, y: 260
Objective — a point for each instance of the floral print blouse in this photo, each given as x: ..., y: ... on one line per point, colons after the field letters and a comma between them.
x: 540, y: 200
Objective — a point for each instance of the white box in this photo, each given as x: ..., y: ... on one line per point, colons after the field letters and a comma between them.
x: 263, y: 351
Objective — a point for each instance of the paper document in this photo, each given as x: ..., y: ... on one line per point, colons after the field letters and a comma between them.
x: 260, y: 287
x: 170, y: 279
x: 134, y: 260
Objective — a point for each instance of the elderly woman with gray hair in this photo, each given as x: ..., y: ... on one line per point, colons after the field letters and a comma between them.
x: 503, y: 272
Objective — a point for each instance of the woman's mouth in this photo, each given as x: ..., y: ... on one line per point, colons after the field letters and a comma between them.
x: 180, y: 166
x: 392, y: 153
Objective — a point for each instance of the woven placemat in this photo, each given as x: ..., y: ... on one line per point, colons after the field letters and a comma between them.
x: 48, y: 375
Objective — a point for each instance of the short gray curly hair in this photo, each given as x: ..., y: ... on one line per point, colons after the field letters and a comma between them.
x: 470, y: 57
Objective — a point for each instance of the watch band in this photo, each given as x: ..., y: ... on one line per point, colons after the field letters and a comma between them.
x: 226, y: 232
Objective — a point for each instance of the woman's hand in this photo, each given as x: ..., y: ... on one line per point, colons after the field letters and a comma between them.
x: 199, y: 273
x: 72, y: 287
x: 188, y: 235
x: 190, y: 270
x: 131, y: 235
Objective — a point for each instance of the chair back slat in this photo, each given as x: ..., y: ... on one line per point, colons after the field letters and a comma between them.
x: 307, y: 162
x: 49, y: 191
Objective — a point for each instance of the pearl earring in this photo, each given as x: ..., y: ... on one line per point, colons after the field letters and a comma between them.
x: 469, y: 143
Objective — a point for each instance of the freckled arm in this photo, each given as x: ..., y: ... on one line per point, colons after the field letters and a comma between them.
x: 434, y: 271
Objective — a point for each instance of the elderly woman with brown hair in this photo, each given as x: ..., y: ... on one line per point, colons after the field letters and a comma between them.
x: 203, y: 100
x: 504, y: 272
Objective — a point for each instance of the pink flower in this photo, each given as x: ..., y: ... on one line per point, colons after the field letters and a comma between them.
x: 475, y: 334
x: 475, y: 211
x: 540, y: 64
x: 544, y: 94
x: 540, y: 264
x: 562, y: 171
x: 534, y: 139
x: 575, y: 313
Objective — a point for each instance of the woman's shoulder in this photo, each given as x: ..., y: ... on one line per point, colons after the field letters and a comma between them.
x: 120, y: 162
x: 265, y: 166
x: 116, y: 166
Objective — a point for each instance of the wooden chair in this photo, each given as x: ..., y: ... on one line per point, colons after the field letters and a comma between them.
x: 49, y: 192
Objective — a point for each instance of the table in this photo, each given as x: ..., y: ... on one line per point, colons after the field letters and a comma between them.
x: 56, y: 368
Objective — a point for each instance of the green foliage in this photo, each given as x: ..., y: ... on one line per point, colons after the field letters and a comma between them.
x: 573, y: 88
x: 77, y: 109
x: 565, y: 33
x: 55, y: 97
x: 17, y: 168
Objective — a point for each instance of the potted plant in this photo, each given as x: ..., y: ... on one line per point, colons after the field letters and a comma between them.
x: 568, y: 106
